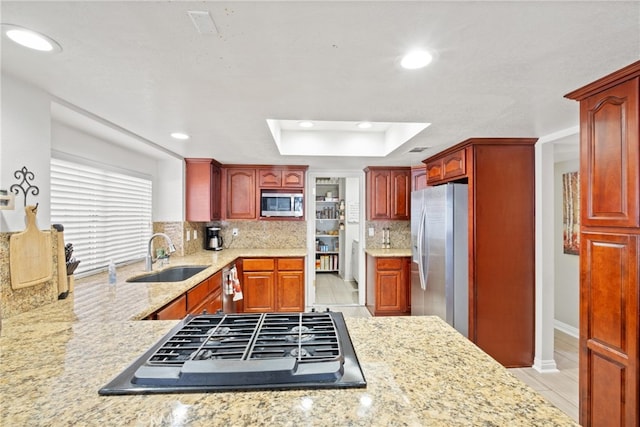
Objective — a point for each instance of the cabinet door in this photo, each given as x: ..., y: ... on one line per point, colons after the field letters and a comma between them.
x: 198, y: 190
x: 379, y: 194
x: 177, y: 309
x: 400, y: 194
x: 454, y: 165
x: 609, y: 329
x: 258, y: 291
x: 418, y: 178
x: 290, y: 291
x: 270, y: 178
x: 609, y: 155
x: 434, y: 171
x: 390, y: 294
x: 293, y: 178
x: 216, y: 193
x: 241, y: 193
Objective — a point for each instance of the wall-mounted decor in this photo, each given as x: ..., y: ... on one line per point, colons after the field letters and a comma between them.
x: 7, y: 200
x: 24, y: 185
x: 571, y: 213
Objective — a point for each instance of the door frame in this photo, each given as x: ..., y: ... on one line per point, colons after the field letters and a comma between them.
x: 310, y: 274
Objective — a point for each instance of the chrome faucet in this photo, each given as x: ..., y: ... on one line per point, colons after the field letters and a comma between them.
x: 148, y: 260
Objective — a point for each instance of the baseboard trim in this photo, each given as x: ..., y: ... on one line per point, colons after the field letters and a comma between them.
x: 567, y: 329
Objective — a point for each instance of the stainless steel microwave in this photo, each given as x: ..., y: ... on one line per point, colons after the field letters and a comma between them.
x: 281, y: 204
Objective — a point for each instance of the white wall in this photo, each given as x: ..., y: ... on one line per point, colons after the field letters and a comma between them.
x: 567, y: 268
x: 166, y: 175
x: 29, y: 135
x: 25, y: 142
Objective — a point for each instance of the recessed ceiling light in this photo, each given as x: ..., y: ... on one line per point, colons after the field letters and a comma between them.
x: 416, y: 59
x: 179, y: 135
x: 31, y: 39
x: 305, y: 124
x: 365, y: 125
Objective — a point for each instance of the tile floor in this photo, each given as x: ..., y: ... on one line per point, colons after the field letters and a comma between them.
x: 560, y: 388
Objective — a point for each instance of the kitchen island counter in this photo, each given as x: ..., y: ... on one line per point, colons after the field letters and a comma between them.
x: 419, y: 372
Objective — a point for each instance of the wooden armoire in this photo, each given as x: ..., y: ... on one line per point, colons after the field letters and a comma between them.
x: 610, y: 248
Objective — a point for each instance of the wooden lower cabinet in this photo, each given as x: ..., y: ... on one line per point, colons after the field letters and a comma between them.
x: 176, y: 309
x: 609, y: 329
x: 205, y: 296
x: 273, y: 284
x: 388, y: 285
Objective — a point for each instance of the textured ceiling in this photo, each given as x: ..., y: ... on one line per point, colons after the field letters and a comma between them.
x: 501, y: 68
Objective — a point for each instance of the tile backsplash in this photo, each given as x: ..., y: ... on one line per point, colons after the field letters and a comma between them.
x: 399, y: 234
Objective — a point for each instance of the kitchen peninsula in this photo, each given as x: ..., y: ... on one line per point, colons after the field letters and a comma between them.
x: 419, y: 371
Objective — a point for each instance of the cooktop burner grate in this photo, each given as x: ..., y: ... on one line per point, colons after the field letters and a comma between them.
x: 246, y: 351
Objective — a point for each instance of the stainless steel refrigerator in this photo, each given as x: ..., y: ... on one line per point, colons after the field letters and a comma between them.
x: 440, y: 264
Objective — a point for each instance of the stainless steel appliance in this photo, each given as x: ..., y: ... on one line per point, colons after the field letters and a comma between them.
x: 249, y: 351
x: 213, y: 239
x: 439, y: 268
x: 281, y: 204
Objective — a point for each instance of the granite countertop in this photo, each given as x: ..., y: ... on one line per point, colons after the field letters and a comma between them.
x: 381, y: 253
x: 419, y: 370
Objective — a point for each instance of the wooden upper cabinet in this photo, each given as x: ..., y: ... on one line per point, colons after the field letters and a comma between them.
x: 418, y: 177
x: 388, y: 193
x: 611, y: 153
x: 241, y: 193
x: 447, y: 168
x: 275, y: 177
x: 202, y: 190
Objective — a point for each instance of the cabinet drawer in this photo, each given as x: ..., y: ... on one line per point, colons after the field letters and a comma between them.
x: 291, y: 264
x: 258, y: 264
x: 389, y: 263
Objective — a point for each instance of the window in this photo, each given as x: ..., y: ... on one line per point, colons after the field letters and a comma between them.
x: 106, y: 215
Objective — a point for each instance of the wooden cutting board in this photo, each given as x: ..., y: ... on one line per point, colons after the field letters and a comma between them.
x: 30, y: 254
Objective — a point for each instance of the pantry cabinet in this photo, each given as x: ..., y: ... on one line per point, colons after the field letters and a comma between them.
x: 272, y: 284
x: 202, y: 190
x: 500, y: 175
x: 609, y: 365
x: 388, y: 193
x: 388, y: 287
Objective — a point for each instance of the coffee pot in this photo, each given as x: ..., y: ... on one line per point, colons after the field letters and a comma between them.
x: 213, y: 241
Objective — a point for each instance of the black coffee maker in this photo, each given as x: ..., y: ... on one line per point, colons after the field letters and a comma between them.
x: 213, y: 240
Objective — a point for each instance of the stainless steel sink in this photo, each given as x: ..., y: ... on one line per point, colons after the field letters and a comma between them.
x: 171, y: 274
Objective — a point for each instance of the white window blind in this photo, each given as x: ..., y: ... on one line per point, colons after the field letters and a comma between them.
x: 106, y: 215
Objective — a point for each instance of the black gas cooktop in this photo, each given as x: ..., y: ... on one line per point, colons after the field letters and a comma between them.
x: 222, y: 352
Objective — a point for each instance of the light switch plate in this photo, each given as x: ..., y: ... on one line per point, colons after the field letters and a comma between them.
x: 372, y: 232
x: 195, y: 234
x: 188, y: 236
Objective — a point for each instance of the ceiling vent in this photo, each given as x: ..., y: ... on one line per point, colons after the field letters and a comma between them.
x: 418, y: 149
x: 203, y: 22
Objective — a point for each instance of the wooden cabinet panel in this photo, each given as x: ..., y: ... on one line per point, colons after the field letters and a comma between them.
x: 258, y: 264
x: 434, y: 171
x: 197, y: 294
x: 258, y: 291
x: 296, y: 264
x: 418, y: 178
x: 269, y: 178
x: 454, y: 165
x: 290, y: 291
x: 400, y: 194
x: 387, y: 285
x: 202, y: 190
x: 609, y: 249
x: 388, y: 193
x: 241, y: 193
x: 176, y: 309
x: 609, y: 328
x: 293, y: 178
x: 610, y: 156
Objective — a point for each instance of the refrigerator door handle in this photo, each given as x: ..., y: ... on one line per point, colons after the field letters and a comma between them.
x: 422, y: 272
